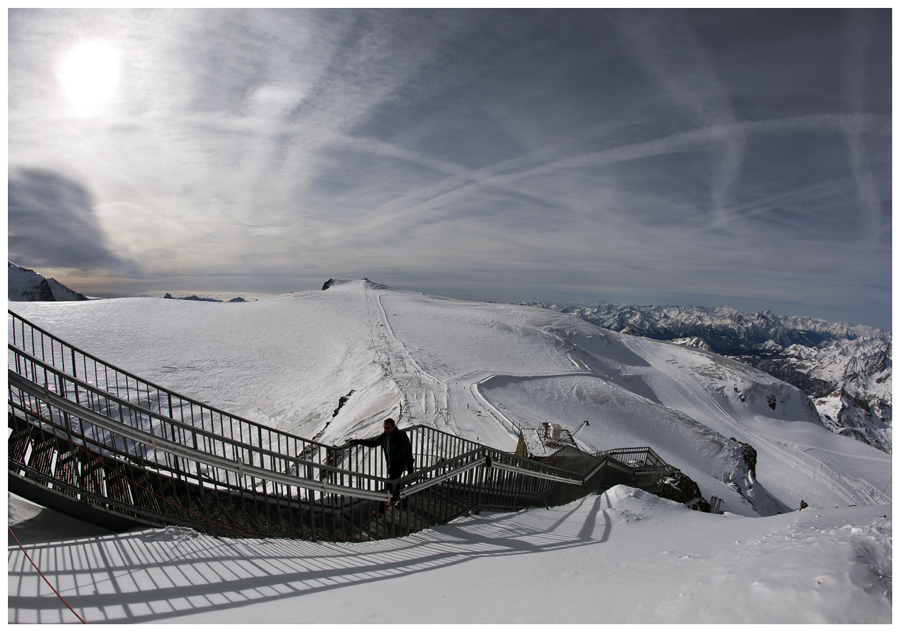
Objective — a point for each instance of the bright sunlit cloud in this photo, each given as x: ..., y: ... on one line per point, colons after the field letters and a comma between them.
x: 89, y: 74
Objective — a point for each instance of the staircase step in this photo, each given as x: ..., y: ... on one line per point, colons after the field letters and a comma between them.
x: 66, y: 471
x: 43, y: 449
x: 19, y: 441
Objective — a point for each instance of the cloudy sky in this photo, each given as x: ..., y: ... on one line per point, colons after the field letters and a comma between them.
x: 704, y: 157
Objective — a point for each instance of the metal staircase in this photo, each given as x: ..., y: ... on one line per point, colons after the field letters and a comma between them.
x: 99, y: 443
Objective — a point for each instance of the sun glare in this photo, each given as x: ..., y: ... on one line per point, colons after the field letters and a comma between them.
x: 89, y: 74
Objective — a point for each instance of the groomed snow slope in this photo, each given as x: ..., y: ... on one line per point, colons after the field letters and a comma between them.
x: 623, y: 557
x: 476, y: 370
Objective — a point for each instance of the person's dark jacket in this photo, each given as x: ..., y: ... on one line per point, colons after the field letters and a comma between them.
x: 397, y: 450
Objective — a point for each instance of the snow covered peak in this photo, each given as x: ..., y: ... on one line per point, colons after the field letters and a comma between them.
x: 359, y: 284
x: 725, y: 329
x: 28, y: 285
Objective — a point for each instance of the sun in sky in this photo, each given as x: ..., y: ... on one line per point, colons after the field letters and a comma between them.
x: 89, y: 74
x: 668, y: 157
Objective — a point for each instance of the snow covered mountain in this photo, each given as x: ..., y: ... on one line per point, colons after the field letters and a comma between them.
x: 850, y: 381
x: 726, y: 330
x: 332, y: 364
x: 28, y: 285
x: 845, y: 368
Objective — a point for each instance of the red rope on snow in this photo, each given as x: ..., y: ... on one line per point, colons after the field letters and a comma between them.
x: 41, y: 574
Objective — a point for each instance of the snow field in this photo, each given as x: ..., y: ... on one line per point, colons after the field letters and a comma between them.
x: 477, y: 370
x: 623, y: 557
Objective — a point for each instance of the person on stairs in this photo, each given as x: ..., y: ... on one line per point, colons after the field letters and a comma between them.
x: 398, y: 456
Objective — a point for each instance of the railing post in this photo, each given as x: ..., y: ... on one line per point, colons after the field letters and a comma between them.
x: 205, y: 503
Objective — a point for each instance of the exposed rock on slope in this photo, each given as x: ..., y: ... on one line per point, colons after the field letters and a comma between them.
x: 850, y: 381
x: 683, y: 489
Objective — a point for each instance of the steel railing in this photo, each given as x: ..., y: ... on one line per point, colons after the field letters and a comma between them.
x: 104, y: 444
x: 142, y: 394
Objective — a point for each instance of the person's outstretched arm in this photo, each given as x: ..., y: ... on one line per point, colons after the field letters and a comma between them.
x: 369, y: 442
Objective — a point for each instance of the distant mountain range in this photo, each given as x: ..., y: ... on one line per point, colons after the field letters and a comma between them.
x: 28, y: 285
x: 194, y: 297
x: 845, y: 369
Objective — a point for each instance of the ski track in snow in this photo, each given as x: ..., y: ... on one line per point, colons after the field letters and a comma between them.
x: 428, y: 407
x: 441, y: 394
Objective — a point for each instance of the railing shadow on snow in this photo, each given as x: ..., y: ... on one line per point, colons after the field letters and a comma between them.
x: 146, y: 576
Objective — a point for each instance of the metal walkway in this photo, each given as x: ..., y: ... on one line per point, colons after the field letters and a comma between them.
x: 99, y: 443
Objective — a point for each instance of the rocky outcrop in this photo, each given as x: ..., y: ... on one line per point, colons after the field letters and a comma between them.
x: 39, y: 292
x: 693, y: 342
x: 27, y: 285
x: 341, y: 402
x: 748, y: 453
x: 681, y: 488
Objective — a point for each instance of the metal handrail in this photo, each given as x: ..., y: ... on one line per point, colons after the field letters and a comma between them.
x: 140, y: 383
x: 480, y: 459
x: 549, y: 477
x: 152, y: 440
x: 525, y: 467
x: 238, y: 467
x: 177, y: 449
x: 489, y: 477
x: 118, y: 427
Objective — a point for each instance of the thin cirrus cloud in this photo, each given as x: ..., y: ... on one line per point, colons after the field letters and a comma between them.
x: 702, y: 156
